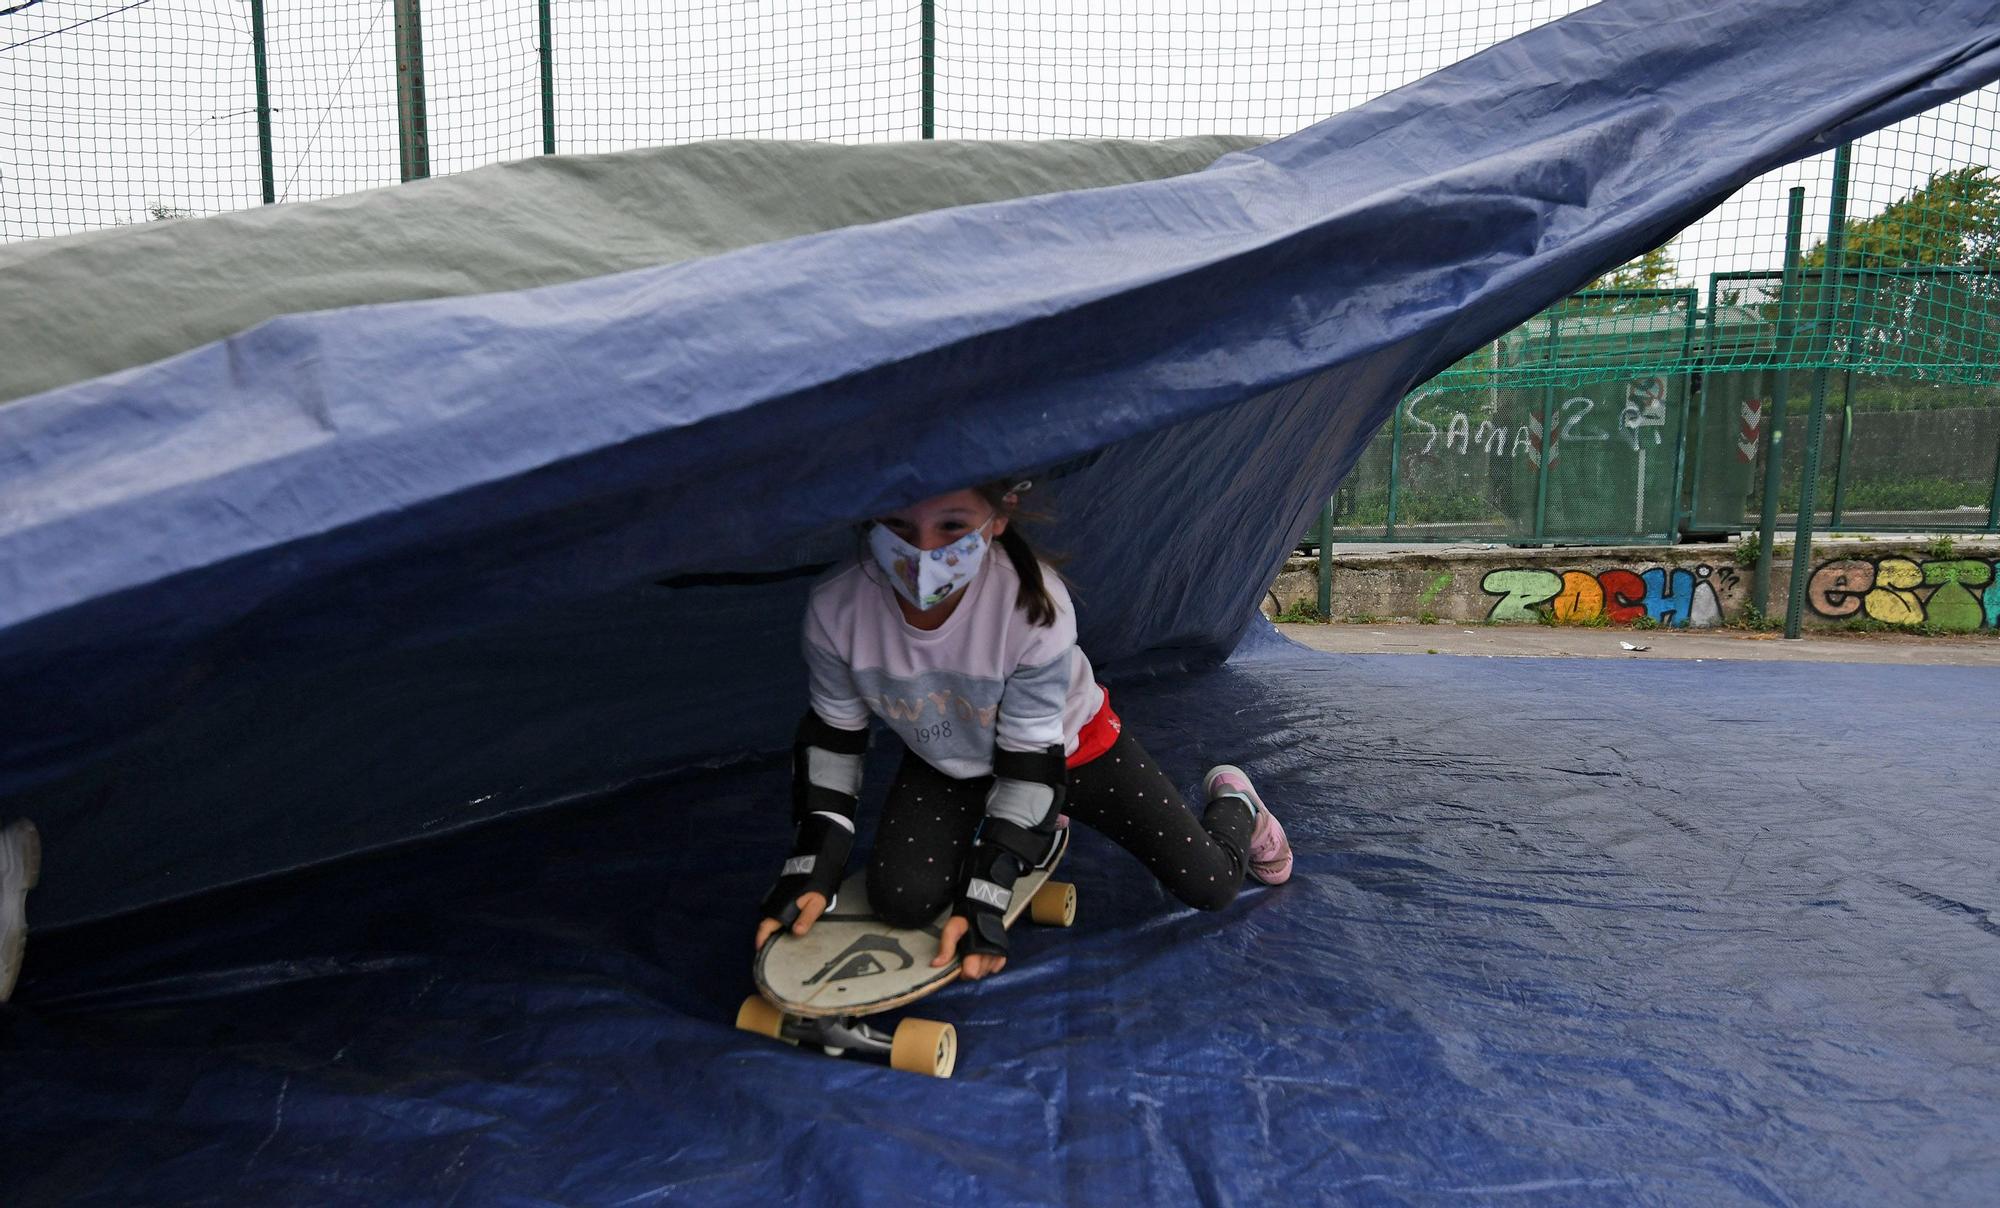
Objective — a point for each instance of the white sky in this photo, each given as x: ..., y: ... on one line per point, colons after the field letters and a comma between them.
x: 107, y: 109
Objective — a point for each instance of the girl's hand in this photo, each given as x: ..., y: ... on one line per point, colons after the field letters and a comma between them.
x: 977, y: 964
x: 811, y: 906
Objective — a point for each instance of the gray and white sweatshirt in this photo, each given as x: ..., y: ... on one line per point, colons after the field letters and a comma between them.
x: 987, y: 677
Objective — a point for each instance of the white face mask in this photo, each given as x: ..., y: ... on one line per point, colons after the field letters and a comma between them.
x: 925, y: 577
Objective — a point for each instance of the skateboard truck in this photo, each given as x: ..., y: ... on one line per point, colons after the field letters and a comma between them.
x: 917, y: 1046
x: 839, y: 1036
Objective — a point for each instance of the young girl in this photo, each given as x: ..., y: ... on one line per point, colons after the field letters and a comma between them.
x: 972, y: 661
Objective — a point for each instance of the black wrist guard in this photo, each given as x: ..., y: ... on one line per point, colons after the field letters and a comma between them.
x: 826, y: 782
x: 991, y: 871
x: 1028, y: 791
x: 999, y: 856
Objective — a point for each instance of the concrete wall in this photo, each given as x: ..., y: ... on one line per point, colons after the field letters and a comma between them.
x: 1883, y: 582
x: 1956, y: 442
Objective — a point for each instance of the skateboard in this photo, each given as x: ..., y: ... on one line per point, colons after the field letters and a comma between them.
x: 818, y: 988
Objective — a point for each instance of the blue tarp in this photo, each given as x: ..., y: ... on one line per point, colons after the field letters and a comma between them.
x: 1561, y: 932
x: 354, y: 576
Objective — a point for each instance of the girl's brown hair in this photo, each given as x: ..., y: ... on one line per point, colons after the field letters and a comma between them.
x: 1035, y: 599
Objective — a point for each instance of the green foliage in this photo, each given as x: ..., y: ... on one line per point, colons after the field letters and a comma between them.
x: 1427, y: 617
x: 1299, y: 612
x: 1623, y: 290
x: 1752, y: 617
x: 1747, y: 549
x: 1893, y: 311
x: 1644, y: 622
x: 1941, y: 547
x: 1417, y: 504
x: 1950, y: 221
x: 1883, y: 393
x: 1654, y: 270
x: 1926, y: 494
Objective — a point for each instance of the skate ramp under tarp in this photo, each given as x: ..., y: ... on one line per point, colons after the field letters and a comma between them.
x: 1560, y: 932
x: 355, y: 576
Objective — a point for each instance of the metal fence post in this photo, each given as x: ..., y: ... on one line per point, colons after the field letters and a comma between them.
x: 1993, y: 504
x: 263, y: 103
x: 412, y: 122
x: 1326, y: 560
x: 1698, y: 383
x: 1774, y: 424
x: 1395, y: 463
x: 1829, y: 307
x: 1548, y: 431
x: 928, y: 68
x: 1690, y: 386
x: 548, y: 81
x: 1841, y: 459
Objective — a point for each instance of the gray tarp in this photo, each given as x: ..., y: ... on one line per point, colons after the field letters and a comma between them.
x: 143, y: 293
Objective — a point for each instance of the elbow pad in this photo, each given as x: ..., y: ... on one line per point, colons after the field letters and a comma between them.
x: 826, y: 783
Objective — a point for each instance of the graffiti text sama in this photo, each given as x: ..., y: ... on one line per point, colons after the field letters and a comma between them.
x: 1644, y: 414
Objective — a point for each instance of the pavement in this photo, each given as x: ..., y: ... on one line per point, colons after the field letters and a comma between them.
x: 1562, y: 641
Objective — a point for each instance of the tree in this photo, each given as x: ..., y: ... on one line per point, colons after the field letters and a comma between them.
x: 1950, y: 221
x: 1654, y: 270
x: 1621, y: 289
x: 1919, y: 286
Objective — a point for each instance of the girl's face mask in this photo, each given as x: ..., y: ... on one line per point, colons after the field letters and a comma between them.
x: 926, y: 577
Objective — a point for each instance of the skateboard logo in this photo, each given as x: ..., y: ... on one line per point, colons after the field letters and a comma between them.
x: 864, y: 957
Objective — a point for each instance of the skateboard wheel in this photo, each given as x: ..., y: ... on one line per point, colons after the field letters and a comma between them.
x: 1054, y: 904
x: 759, y: 1016
x: 922, y: 1046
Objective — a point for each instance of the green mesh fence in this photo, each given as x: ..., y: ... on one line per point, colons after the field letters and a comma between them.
x: 123, y: 112
x: 1900, y: 331
x: 1638, y: 410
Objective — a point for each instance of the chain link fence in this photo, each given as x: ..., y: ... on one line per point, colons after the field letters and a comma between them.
x: 1640, y: 410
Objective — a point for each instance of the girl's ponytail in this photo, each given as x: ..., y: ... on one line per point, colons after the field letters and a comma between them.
x: 1035, y: 599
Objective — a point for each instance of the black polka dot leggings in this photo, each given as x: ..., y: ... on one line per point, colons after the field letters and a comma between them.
x: 929, y: 820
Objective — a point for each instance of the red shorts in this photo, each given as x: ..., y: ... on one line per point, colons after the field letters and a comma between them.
x: 1097, y: 734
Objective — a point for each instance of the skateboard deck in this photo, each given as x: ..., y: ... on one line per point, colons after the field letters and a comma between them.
x: 853, y: 963
x: 816, y: 988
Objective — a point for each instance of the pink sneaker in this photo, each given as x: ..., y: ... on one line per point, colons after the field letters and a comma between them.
x: 1270, y: 852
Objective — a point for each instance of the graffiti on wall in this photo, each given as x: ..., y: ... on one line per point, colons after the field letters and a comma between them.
x: 1574, y: 420
x: 1959, y: 594
x: 1679, y: 597
x: 1949, y: 593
